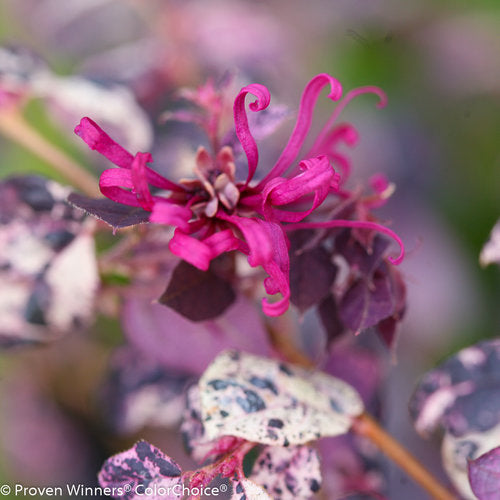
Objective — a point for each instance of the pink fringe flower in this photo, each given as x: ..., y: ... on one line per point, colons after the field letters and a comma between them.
x: 214, y: 213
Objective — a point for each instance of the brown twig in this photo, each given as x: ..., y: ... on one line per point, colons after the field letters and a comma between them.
x: 366, y: 426
x: 16, y: 128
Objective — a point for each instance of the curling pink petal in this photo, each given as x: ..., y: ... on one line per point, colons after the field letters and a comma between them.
x: 98, y: 140
x: 170, y: 214
x: 259, y: 244
x: 279, y: 271
x: 191, y: 250
x: 112, y: 183
x: 317, y: 174
x: 241, y: 122
x: 140, y: 182
x: 317, y: 178
x: 222, y: 241
x: 352, y: 94
x: 304, y: 119
x: 357, y: 224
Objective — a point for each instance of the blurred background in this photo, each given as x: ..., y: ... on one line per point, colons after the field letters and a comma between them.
x: 438, y: 62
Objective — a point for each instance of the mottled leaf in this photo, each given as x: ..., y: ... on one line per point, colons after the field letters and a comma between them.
x: 48, y: 269
x: 151, y: 327
x: 193, y: 433
x: 244, y: 489
x: 458, y: 452
x: 491, y: 250
x: 139, y: 392
x: 484, y: 475
x: 462, y: 393
x: 142, y: 466
x: 367, y: 302
x: 114, y: 214
x: 288, y: 473
x: 197, y: 444
x: 197, y: 295
x: 311, y: 276
x: 268, y: 402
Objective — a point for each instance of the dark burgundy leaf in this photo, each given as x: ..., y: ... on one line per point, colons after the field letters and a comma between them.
x: 329, y: 316
x: 484, y: 475
x: 364, y: 259
x: 367, y: 302
x: 197, y: 295
x: 142, y: 466
x: 359, y: 367
x: 312, y: 274
x: 114, y: 214
x: 387, y: 329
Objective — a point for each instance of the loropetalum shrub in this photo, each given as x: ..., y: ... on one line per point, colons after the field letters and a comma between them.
x: 320, y: 246
x: 214, y: 213
x: 256, y: 413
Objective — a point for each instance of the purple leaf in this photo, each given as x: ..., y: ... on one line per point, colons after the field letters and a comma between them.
x: 288, y: 473
x: 329, y: 316
x: 244, y: 489
x: 114, y: 214
x: 311, y: 276
x: 387, y: 328
x: 361, y: 368
x: 484, y: 475
x: 360, y: 257
x: 197, y: 295
x: 268, y: 402
x: 141, y: 469
x: 461, y: 394
x: 139, y: 392
x: 154, y: 330
x: 367, y: 302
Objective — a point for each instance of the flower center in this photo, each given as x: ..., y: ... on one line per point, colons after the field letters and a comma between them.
x: 215, y: 177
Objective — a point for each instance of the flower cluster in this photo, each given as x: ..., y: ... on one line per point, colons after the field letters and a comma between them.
x: 215, y: 213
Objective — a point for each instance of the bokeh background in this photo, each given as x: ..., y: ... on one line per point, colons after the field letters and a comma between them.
x: 438, y: 61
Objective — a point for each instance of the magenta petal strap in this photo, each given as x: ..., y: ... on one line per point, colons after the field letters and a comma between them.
x: 304, y: 120
x: 260, y: 246
x: 140, y: 182
x: 172, y: 215
x: 98, y: 140
x: 112, y: 183
x: 222, y: 241
x: 317, y: 177
x: 352, y: 94
x: 191, y: 250
x: 355, y: 224
x: 241, y: 122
